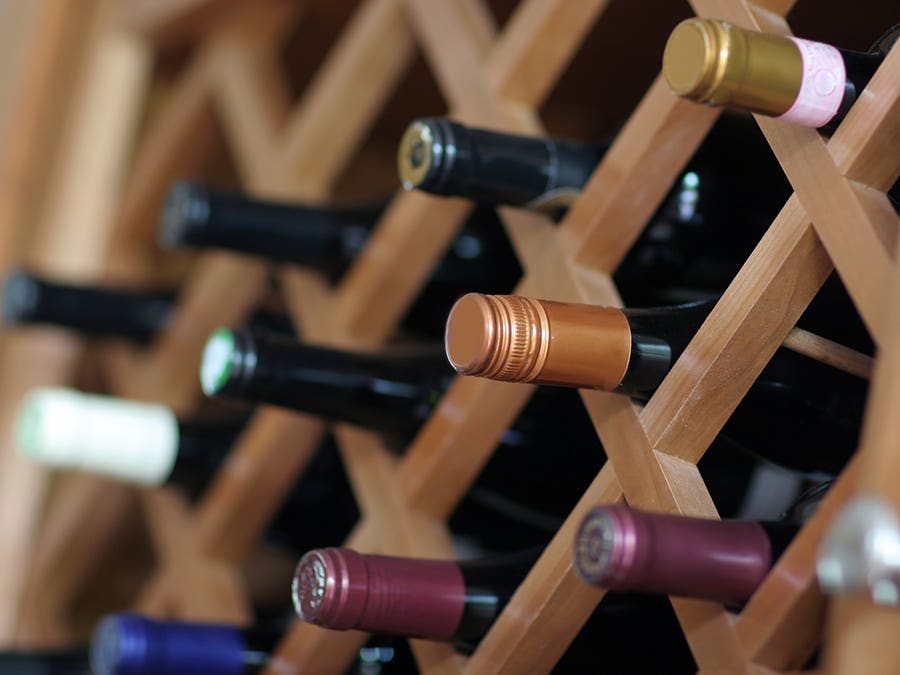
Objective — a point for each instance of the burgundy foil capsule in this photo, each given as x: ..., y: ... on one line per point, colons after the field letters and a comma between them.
x: 341, y: 589
x: 625, y: 549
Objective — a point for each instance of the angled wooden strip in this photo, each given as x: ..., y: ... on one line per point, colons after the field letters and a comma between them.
x: 264, y: 466
x: 635, y: 175
x: 207, y: 591
x: 455, y: 54
x: 861, y: 638
x: 397, y: 260
x: 253, y: 103
x: 168, y: 517
x: 341, y: 104
x: 751, y: 319
x: 179, y: 139
x: 165, y: 21
x: 536, y: 45
x: 551, y: 605
x: 781, y: 625
x: 840, y: 218
x: 456, y: 442
x: 865, y: 143
x: 66, y: 552
x: 834, y: 354
x: 222, y: 291
x: 32, y: 114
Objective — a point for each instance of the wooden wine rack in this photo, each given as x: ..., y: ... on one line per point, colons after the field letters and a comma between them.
x: 838, y: 217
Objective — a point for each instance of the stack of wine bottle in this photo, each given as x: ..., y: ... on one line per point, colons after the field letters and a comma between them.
x: 686, y: 257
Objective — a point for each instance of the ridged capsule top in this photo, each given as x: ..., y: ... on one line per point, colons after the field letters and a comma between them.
x: 715, y: 62
x: 518, y: 339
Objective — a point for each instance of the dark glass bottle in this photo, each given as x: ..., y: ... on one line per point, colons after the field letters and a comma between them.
x: 446, y: 158
x: 137, y: 442
x: 94, y: 310
x: 102, y: 311
x: 146, y: 444
x: 394, y: 393
x: 807, y: 83
x: 516, y: 339
x: 537, y: 473
x: 457, y: 602
x: 45, y: 662
x: 330, y: 238
x: 624, y: 549
x: 129, y: 644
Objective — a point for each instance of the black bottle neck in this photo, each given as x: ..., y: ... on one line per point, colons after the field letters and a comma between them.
x: 202, y: 447
x: 392, y: 393
x: 489, y: 585
x: 494, y: 168
x: 328, y: 238
x: 89, y: 309
x: 658, y: 337
x: 46, y: 662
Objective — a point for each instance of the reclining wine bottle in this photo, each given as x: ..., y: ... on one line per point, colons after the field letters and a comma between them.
x: 812, y: 411
x: 394, y: 393
x: 72, y: 661
x: 457, y: 602
x: 443, y: 157
x: 548, y: 456
x: 131, y: 441
x: 129, y: 644
x: 330, y: 238
x: 101, y: 310
x: 95, y: 310
x: 146, y: 444
x: 807, y: 83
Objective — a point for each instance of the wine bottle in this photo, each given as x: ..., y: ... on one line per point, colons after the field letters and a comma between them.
x: 621, y: 548
x: 129, y: 644
x: 330, y: 238
x: 517, y: 339
x: 137, y: 315
x: 806, y: 83
x: 489, y: 167
x: 131, y: 441
x: 102, y: 311
x: 146, y: 444
x: 73, y: 661
x: 457, y: 602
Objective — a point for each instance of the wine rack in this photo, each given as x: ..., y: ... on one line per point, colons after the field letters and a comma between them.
x: 838, y: 217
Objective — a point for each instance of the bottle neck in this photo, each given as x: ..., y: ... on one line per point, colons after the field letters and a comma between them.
x: 46, y: 662
x: 93, y: 310
x: 392, y: 393
x: 202, y: 447
x: 327, y: 238
x: 658, y: 337
x: 488, y: 167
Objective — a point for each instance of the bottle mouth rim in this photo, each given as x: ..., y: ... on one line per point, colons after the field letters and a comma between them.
x: 218, y: 361
x: 415, y: 154
x: 185, y: 209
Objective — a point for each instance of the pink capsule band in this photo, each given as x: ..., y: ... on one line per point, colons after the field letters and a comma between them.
x: 822, y: 85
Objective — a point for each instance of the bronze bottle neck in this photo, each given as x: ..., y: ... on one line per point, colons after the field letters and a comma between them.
x: 517, y: 339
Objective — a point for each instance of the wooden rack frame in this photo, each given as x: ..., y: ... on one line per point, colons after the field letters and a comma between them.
x: 838, y: 217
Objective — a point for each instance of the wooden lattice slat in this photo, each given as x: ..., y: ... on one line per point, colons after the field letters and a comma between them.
x: 839, y: 217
